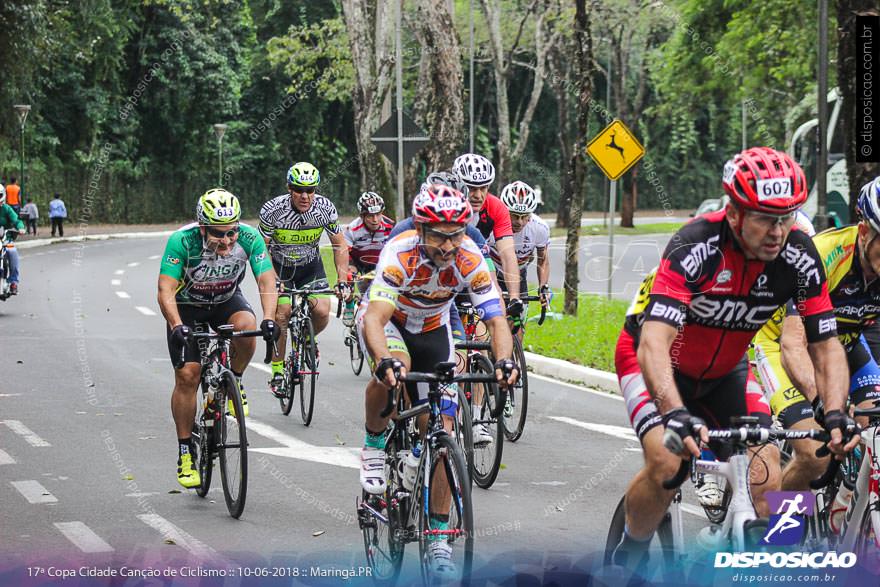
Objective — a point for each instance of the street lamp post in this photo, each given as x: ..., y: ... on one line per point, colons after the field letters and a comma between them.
x: 220, y: 130
x: 22, y: 110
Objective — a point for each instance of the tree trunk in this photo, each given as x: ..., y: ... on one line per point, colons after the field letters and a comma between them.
x: 439, y: 106
x: 583, y: 59
x: 559, y: 82
x: 502, y: 104
x: 370, y: 50
x: 858, y: 174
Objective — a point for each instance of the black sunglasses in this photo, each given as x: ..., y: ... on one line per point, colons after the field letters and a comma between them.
x: 301, y: 189
x: 222, y: 233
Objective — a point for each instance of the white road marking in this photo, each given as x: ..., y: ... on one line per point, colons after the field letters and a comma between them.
x: 142, y: 494
x: 145, y: 311
x: 83, y: 537
x: 115, y: 282
x: 577, y: 387
x: 5, y: 459
x: 261, y: 367
x: 123, y: 295
x: 9, y: 394
x: 26, y: 433
x: 616, y: 431
x: 294, y: 448
x: 153, y: 257
x: 180, y: 537
x: 34, y: 492
x: 134, y: 264
x: 119, y: 272
x: 550, y: 483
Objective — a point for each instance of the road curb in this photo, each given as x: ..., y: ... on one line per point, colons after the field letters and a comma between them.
x: 572, y: 373
x: 89, y: 237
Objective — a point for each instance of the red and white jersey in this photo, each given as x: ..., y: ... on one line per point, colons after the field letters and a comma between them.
x: 534, y: 235
x: 421, y: 293
x: 364, y: 246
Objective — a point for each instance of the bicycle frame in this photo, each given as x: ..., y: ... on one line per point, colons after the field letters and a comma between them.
x: 866, y: 494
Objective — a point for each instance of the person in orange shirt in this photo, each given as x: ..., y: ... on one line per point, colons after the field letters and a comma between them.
x: 13, y: 195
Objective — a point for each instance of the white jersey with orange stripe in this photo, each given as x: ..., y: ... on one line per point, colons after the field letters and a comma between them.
x: 423, y: 294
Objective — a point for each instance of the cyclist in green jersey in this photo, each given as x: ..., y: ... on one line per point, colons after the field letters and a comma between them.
x: 199, y: 277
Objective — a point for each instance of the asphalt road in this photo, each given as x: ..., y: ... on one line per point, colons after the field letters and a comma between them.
x: 88, y: 449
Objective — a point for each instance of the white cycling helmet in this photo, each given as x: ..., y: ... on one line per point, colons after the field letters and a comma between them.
x: 474, y: 170
x: 519, y: 197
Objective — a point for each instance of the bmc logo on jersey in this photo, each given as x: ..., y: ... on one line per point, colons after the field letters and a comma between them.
x: 697, y: 254
x: 803, y: 263
x: 731, y: 313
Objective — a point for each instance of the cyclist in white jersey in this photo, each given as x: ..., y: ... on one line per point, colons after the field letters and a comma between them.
x: 531, y: 239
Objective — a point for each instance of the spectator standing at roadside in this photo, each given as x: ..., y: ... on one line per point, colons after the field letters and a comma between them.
x: 57, y: 214
x: 13, y: 195
x: 30, y: 214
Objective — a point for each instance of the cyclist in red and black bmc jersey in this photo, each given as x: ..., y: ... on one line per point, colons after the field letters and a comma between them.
x: 491, y: 218
x: 681, y: 358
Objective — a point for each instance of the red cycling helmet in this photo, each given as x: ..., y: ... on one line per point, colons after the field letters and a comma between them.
x: 765, y: 180
x: 437, y: 203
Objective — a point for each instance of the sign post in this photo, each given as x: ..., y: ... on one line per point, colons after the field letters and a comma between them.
x: 615, y: 150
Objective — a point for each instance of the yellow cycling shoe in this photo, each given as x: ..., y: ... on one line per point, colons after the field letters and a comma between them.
x: 187, y: 475
x: 244, y: 404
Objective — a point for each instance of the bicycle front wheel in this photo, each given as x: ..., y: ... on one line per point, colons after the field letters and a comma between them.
x: 447, y: 467
x: 488, y: 431
x: 291, y: 381
x: 203, y: 440
x: 517, y: 397
x: 232, y: 445
x: 464, y: 430
x: 308, y: 369
x: 355, y: 354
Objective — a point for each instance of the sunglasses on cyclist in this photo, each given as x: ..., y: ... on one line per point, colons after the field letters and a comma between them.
x: 232, y: 232
x: 302, y: 190
x: 770, y: 220
x: 441, y: 237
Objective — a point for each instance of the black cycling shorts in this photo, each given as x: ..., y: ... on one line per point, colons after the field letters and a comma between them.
x: 310, y: 275
x: 196, y: 317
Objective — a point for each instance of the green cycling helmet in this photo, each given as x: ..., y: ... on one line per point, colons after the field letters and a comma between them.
x: 217, y: 206
x: 303, y: 175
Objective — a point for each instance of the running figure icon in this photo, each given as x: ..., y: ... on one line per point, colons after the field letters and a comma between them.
x: 786, y: 520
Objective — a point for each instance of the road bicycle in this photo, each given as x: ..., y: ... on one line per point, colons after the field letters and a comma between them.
x: 301, y: 364
x: 351, y: 339
x: 401, y: 515
x: 219, y: 428
x: 5, y: 244
x: 484, y: 402
x: 740, y: 529
x: 517, y: 403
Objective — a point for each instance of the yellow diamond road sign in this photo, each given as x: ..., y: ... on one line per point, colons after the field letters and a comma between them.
x: 615, y: 150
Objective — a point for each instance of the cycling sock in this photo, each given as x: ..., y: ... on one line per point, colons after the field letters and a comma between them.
x: 277, y: 367
x: 436, y: 522
x: 376, y: 441
x: 183, y: 446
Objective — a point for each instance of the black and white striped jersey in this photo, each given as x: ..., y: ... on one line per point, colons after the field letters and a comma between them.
x: 294, y: 235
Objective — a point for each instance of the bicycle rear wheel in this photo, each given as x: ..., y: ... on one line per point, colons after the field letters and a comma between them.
x: 518, y: 397
x: 447, y: 457
x: 232, y: 445
x: 487, y: 454
x: 309, y: 369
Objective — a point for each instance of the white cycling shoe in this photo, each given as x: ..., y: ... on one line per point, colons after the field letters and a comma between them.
x: 711, y: 491
x: 440, y: 558
x: 373, y: 471
x: 481, y: 434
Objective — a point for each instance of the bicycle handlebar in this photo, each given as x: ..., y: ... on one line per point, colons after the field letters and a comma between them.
x: 438, y: 377
x: 747, y: 434
x: 224, y: 333
x: 528, y: 298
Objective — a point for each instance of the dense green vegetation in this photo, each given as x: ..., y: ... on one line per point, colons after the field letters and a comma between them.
x: 125, y: 93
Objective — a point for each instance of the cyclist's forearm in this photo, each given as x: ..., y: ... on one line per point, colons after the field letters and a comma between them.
x: 374, y: 331
x: 340, y: 257
x: 832, y: 372
x: 511, y: 271
x: 795, y: 358
x: 268, y: 294
x: 543, y: 268
x: 168, y: 307
x: 502, y: 342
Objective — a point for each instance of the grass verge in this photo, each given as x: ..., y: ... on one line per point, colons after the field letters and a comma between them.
x: 586, y: 339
